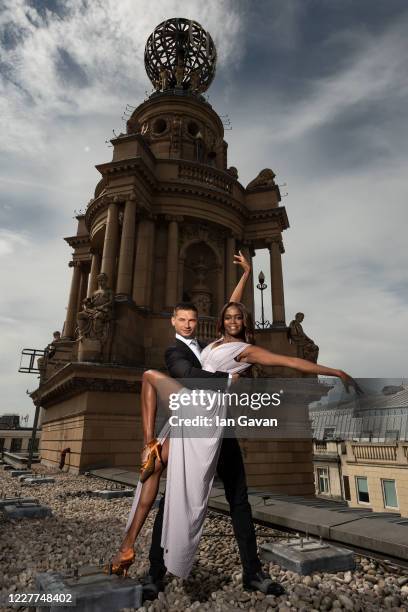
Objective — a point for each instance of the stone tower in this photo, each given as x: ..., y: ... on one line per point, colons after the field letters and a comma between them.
x: 166, y: 218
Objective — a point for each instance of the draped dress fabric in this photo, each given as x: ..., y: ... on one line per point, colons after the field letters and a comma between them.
x: 191, y: 468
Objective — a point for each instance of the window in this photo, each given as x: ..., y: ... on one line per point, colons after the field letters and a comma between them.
x: 346, y: 487
x: 199, y: 150
x: 362, y: 490
x: 212, y: 158
x: 323, y: 480
x: 16, y: 445
x: 193, y: 128
x: 389, y: 494
x: 328, y: 433
x: 159, y: 126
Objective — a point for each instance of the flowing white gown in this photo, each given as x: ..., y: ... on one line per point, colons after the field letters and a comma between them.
x: 191, y: 468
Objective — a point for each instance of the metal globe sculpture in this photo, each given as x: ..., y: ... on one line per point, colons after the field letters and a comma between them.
x: 180, y: 54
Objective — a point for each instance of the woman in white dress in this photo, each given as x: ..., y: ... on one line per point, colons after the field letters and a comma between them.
x: 191, y: 462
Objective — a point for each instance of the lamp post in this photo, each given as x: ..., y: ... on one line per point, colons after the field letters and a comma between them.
x: 262, y: 286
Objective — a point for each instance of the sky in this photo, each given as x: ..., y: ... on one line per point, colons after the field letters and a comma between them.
x: 315, y: 90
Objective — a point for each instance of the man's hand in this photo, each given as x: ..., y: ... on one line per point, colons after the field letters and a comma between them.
x: 241, y: 261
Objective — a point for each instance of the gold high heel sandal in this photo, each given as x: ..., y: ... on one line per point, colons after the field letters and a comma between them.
x: 147, y: 467
x: 122, y: 567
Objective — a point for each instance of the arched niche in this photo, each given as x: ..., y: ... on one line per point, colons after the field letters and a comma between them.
x: 202, y: 278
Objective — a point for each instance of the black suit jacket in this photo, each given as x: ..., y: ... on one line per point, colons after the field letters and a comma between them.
x: 181, y: 362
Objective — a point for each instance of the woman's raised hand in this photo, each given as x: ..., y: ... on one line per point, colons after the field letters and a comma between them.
x: 348, y: 382
x: 241, y: 261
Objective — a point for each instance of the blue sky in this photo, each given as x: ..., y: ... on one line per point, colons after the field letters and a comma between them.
x: 316, y: 90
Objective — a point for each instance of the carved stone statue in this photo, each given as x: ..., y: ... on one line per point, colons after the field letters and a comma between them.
x: 306, y: 347
x: 97, y: 313
x: 232, y: 170
x: 51, y: 348
x: 194, y: 80
x: 179, y: 72
x: 164, y: 79
x: 266, y: 178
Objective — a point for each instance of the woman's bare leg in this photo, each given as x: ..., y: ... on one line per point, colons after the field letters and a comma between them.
x: 155, y: 385
x: 147, y: 497
x: 148, y: 409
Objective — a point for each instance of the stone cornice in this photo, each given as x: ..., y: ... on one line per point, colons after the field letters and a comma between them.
x: 77, y: 385
x: 271, y: 213
x: 200, y: 191
x: 76, y: 378
x: 77, y: 241
x: 124, y: 166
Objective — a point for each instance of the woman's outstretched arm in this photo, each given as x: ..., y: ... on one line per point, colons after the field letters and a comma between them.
x: 260, y: 356
x: 238, y: 292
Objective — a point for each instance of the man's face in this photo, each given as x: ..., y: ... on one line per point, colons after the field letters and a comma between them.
x: 185, y: 323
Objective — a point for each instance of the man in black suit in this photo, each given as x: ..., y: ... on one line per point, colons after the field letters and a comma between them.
x: 183, y: 361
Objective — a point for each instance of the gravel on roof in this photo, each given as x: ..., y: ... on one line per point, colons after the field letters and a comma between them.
x: 85, y: 530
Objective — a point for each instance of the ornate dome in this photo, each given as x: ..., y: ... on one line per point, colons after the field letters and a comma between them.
x: 180, y: 54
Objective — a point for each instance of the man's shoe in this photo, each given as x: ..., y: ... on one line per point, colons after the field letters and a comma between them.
x: 152, y: 587
x: 263, y: 582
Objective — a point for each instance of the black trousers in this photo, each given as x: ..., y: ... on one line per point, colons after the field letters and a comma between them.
x: 231, y: 471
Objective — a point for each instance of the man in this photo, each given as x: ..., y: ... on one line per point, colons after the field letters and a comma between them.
x: 183, y: 361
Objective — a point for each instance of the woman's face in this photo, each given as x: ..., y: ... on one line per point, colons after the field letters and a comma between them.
x: 233, y: 321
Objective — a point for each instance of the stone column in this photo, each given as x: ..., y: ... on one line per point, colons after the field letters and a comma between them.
x: 278, y: 304
x: 248, y: 297
x: 110, y: 245
x: 143, y: 267
x: 180, y: 279
x: 230, y: 268
x: 95, y: 266
x: 220, y: 288
x: 70, y: 321
x: 127, y: 247
x: 172, y: 263
x: 83, y: 285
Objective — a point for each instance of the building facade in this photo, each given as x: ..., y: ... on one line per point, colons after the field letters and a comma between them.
x: 372, y: 475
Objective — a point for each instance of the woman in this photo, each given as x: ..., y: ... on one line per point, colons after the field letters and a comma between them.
x: 192, y: 462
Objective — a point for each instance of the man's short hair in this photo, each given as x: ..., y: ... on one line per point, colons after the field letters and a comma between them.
x: 185, y: 306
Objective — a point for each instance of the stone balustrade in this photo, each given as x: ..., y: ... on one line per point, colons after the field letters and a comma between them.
x: 375, y: 452
x: 205, y: 174
x: 207, y: 329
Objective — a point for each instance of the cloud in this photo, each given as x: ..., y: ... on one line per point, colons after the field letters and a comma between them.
x: 378, y: 66
x: 10, y: 241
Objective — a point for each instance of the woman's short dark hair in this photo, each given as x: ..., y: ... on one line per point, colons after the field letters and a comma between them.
x: 248, y: 329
